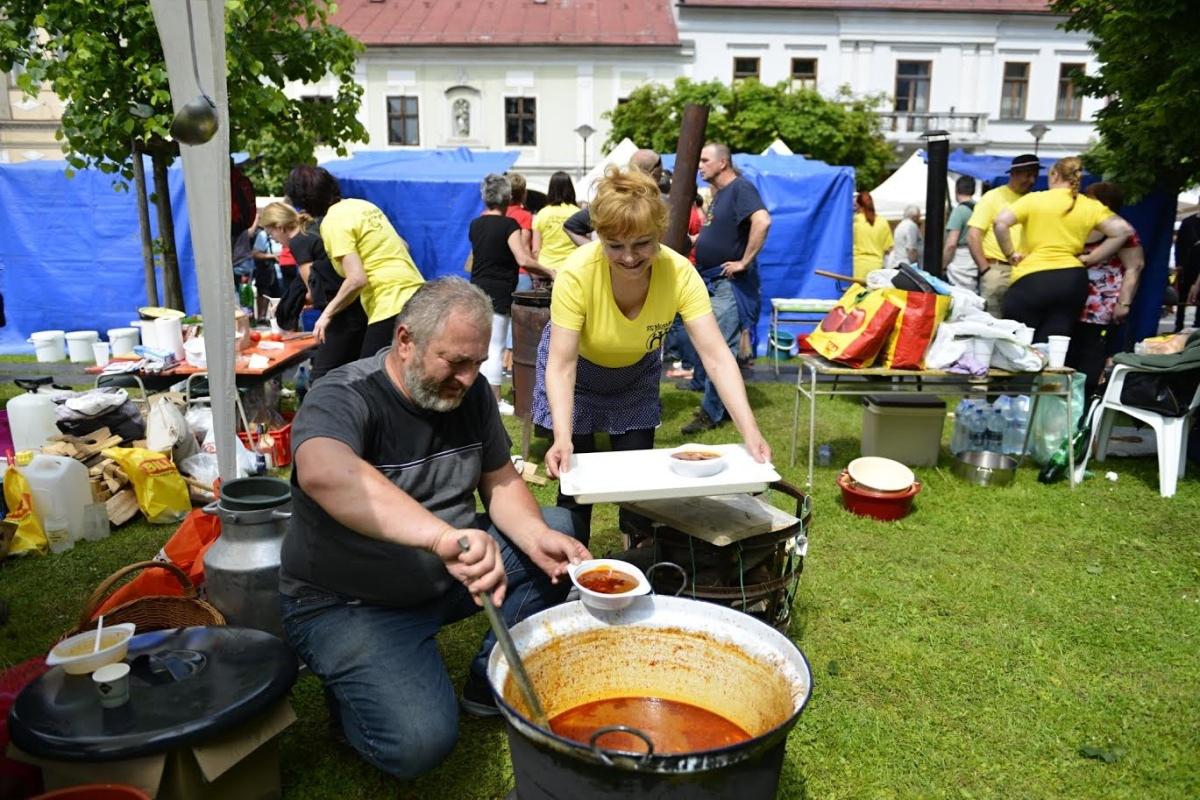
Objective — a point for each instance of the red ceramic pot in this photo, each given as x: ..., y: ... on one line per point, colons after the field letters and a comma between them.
x: 884, y: 506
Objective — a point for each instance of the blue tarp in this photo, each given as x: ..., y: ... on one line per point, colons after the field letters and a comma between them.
x: 811, y: 205
x: 1153, y: 218
x: 71, y: 256
x: 430, y: 196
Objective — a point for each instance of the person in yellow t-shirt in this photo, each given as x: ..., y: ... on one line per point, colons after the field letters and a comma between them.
x: 377, y: 269
x: 1049, y: 279
x: 995, y: 273
x: 551, y: 244
x: 600, y: 359
x: 872, y: 236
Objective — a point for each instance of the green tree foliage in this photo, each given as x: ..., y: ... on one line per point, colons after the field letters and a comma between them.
x: 750, y: 115
x: 1149, y: 54
x: 104, y: 59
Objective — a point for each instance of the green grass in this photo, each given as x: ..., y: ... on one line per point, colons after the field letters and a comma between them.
x: 970, y: 650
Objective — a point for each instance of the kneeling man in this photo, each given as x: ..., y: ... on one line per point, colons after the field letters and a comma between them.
x: 389, y: 454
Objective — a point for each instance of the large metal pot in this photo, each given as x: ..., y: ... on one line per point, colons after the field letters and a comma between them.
x: 241, y: 569
x: 673, y: 648
x: 985, y: 468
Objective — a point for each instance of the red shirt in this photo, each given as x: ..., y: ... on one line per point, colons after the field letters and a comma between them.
x: 285, y: 258
x: 523, y: 217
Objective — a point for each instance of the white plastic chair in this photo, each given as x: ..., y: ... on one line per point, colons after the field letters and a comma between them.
x: 1171, y: 432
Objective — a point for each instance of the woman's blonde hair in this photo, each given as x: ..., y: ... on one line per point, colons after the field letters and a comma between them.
x: 281, y: 215
x: 1069, y: 169
x: 627, y: 205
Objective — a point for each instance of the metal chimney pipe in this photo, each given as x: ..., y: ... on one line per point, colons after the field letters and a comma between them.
x: 683, y: 183
x: 937, y: 156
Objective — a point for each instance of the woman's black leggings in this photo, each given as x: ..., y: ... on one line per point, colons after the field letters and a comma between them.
x: 343, y: 340
x: 581, y: 514
x: 378, y: 336
x: 1049, y: 301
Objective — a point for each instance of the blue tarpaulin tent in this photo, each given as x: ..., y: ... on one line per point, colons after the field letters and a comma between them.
x: 1153, y: 218
x: 71, y: 255
x: 811, y: 207
x: 431, y: 196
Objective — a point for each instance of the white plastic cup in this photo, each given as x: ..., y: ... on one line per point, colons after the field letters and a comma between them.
x: 112, y: 684
x: 1058, y: 346
x: 101, y: 352
x: 1025, y: 336
x: 982, y: 348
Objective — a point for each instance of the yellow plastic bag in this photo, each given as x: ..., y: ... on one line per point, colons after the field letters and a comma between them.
x: 161, y: 493
x: 29, y: 537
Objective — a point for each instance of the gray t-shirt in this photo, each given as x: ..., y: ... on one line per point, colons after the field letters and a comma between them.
x: 435, y: 457
x: 958, y: 221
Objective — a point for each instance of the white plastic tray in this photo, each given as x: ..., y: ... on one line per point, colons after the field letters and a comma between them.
x: 615, y: 477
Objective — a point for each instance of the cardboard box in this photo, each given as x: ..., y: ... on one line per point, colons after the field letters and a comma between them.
x: 242, y: 763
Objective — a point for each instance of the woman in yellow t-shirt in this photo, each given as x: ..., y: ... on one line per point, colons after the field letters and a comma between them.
x: 600, y: 360
x: 377, y: 269
x: 551, y: 245
x: 872, y: 236
x: 1049, y: 279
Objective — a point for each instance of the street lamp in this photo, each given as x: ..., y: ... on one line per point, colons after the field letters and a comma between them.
x: 1037, y: 130
x: 585, y: 132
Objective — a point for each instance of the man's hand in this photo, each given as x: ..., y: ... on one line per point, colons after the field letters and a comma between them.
x: 1120, y: 311
x: 1194, y: 294
x: 558, y: 458
x: 731, y: 268
x: 479, y: 567
x: 319, y: 328
x: 1015, y: 258
x: 553, y: 552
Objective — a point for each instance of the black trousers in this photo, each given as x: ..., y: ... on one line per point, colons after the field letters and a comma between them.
x: 1187, y: 277
x: 1089, y: 352
x: 343, y: 340
x: 1049, y: 302
x: 378, y: 336
x: 581, y: 514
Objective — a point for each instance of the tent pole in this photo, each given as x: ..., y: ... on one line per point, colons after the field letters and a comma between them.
x: 938, y: 148
x: 683, y: 183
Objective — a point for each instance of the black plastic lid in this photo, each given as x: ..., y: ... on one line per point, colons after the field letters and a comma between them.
x: 905, y: 401
x: 254, y: 494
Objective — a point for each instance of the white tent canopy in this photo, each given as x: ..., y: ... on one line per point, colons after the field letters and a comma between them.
x: 906, y: 186
x: 585, y: 187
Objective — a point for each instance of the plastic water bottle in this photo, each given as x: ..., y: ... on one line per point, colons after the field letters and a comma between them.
x: 977, y: 429
x: 1017, y: 426
x: 960, y: 439
x: 995, y: 430
x: 824, y: 455
x: 301, y: 382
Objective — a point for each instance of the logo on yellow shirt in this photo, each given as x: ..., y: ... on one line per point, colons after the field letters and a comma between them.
x: 658, y: 332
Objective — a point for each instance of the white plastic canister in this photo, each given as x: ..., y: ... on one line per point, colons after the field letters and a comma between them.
x: 61, y: 490
x: 31, y: 417
x: 49, y: 345
x: 123, y: 340
x: 79, y: 346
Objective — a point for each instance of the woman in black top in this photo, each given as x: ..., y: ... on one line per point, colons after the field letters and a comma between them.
x: 498, y: 252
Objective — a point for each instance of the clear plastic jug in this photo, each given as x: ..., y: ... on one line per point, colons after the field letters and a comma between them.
x: 31, y: 417
x: 61, y: 492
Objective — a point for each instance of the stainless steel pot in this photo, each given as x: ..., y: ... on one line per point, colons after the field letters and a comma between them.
x: 686, y: 650
x: 984, y: 468
x: 241, y: 569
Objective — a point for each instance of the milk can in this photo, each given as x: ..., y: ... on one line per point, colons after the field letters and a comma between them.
x: 241, y: 569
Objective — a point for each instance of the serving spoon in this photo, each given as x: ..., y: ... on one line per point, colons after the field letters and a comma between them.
x: 509, y: 649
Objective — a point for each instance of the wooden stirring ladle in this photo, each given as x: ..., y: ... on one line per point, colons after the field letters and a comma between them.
x: 509, y: 649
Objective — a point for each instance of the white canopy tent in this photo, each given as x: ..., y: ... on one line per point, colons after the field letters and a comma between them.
x: 906, y: 186
x: 585, y: 187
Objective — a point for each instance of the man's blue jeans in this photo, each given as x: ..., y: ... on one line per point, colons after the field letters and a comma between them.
x: 725, y: 310
x: 382, y: 664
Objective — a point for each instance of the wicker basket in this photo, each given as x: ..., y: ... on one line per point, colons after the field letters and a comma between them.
x: 153, y: 613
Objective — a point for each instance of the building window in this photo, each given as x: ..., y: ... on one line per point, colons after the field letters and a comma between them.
x: 804, y: 73
x: 912, y: 86
x: 403, y: 127
x: 745, y: 67
x: 1070, y: 101
x: 1015, y: 90
x: 520, y: 120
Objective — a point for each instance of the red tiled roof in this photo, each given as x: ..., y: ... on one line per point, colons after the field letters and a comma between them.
x: 976, y: 6
x: 508, y: 22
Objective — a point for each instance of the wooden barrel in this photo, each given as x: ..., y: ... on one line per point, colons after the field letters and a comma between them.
x: 530, y: 315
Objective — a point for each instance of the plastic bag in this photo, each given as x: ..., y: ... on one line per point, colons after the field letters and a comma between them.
x: 161, y: 492
x: 857, y: 328
x: 200, y: 422
x: 919, y: 318
x: 247, y: 463
x: 29, y: 536
x: 1049, y: 426
x: 166, y: 429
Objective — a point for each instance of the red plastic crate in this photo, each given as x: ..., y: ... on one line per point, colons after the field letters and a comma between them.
x: 282, y: 451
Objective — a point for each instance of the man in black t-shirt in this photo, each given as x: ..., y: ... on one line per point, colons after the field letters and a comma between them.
x: 390, y: 453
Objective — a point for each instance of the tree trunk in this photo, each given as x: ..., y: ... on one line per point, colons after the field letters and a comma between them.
x: 172, y: 288
x: 139, y: 183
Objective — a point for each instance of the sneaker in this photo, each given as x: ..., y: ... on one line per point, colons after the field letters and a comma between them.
x: 477, y: 698
x: 679, y: 372
x: 700, y: 423
x: 506, y: 408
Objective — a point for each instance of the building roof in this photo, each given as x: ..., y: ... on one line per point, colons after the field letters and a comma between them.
x: 947, y: 6
x: 508, y: 22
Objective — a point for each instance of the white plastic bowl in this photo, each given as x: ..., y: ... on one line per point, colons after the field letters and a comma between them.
x: 881, y: 474
x: 696, y: 469
x: 75, y: 654
x: 608, y: 602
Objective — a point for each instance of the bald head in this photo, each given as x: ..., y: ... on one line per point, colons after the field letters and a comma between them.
x: 648, y: 162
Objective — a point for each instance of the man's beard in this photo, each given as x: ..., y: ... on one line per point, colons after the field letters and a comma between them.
x: 427, y: 394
